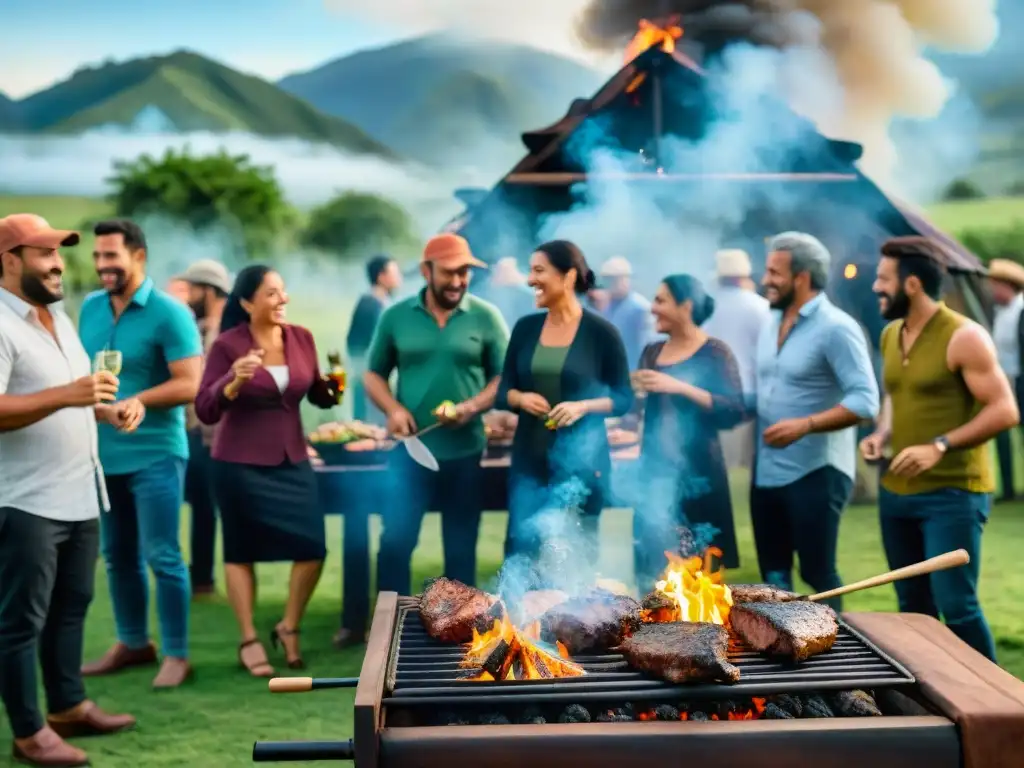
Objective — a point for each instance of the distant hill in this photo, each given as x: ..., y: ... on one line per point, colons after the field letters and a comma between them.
x: 441, y: 95
x: 183, y: 92
x: 10, y: 114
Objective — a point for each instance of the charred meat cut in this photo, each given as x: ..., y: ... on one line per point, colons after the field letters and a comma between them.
x: 681, y: 652
x: 759, y: 593
x: 596, y: 620
x: 450, y: 610
x: 797, y: 630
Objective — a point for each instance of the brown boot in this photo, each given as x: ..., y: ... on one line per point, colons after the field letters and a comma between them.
x: 46, y: 748
x: 88, y: 720
x: 119, y: 657
x: 173, y: 672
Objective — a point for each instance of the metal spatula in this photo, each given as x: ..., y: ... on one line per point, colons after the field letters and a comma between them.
x: 418, y: 452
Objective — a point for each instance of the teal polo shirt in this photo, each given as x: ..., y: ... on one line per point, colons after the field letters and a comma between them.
x: 435, y: 364
x: 154, y: 330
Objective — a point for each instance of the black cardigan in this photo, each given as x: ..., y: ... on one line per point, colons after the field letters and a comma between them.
x: 595, y: 366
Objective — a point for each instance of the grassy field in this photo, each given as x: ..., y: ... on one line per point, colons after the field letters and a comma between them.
x: 214, y: 720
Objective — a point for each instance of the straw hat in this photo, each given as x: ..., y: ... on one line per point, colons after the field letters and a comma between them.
x: 1007, y: 271
x: 733, y: 263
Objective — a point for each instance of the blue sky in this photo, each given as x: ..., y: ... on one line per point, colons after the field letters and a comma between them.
x: 269, y: 38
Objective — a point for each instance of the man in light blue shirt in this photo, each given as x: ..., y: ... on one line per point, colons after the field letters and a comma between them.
x: 626, y: 309
x: 815, y: 383
x: 161, y: 364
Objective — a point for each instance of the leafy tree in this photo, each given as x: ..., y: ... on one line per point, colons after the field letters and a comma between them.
x: 355, y: 222
x: 205, y: 191
x: 1003, y: 243
x: 1016, y: 189
x: 962, y: 189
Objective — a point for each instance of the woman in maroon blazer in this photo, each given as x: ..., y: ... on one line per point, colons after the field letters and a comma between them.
x: 258, y: 371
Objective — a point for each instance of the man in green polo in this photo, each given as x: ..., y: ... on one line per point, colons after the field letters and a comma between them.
x: 447, y: 347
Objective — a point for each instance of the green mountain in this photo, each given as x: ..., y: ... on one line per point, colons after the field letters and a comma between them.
x: 441, y: 95
x: 184, y: 92
x: 10, y: 114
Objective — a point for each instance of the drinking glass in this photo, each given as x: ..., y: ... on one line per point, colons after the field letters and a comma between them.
x: 336, y: 372
x: 108, y: 360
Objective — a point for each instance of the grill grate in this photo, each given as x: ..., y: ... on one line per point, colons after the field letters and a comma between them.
x: 425, y: 672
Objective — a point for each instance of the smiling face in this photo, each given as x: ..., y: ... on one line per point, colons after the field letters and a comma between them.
x: 893, y: 301
x: 549, y: 285
x: 267, y: 305
x: 39, y: 273
x: 119, y: 268
x: 668, y: 315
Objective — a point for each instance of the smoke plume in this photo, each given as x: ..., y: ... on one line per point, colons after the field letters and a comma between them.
x: 874, y: 49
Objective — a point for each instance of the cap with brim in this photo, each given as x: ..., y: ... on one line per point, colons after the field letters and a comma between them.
x: 207, y: 272
x: 1006, y: 271
x: 451, y: 252
x: 616, y: 266
x: 27, y: 229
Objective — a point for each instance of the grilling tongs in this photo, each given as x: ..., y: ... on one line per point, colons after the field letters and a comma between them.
x: 944, y: 562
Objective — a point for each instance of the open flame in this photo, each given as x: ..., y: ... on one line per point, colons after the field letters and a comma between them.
x: 651, y: 34
x: 506, y: 652
x: 690, y: 591
x: 754, y: 712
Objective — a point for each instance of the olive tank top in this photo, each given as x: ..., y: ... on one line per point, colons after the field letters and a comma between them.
x: 929, y: 400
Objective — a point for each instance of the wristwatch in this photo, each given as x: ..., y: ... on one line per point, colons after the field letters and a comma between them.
x: 942, y: 443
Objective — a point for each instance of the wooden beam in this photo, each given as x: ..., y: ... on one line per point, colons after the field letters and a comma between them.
x: 566, y: 179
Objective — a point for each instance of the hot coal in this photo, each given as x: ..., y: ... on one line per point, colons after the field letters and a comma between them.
x: 613, y: 716
x: 574, y: 713
x: 773, y: 711
x: 796, y: 630
x: 793, y: 705
x: 531, y: 716
x: 815, y: 706
x: 854, y: 704
x: 698, y: 716
x: 666, y: 713
x: 494, y: 718
x: 451, y: 718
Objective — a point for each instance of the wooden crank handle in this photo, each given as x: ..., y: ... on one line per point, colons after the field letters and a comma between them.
x: 291, y: 684
x: 944, y: 562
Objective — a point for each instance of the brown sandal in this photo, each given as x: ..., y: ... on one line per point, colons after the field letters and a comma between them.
x: 260, y: 668
x: 277, y: 636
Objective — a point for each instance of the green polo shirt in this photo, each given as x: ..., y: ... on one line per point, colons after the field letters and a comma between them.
x: 154, y: 330
x: 435, y: 364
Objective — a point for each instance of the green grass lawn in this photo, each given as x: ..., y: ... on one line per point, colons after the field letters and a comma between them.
x: 214, y: 720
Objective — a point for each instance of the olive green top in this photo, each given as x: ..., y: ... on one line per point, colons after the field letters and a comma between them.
x: 546, y: 367
x: 435, y: 364
x: 928, y: 401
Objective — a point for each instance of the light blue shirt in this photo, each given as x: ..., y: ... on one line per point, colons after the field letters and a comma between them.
x: 823, y: 362
x: 738, y: 319
x: 631, y: 316
x: 154, y: 330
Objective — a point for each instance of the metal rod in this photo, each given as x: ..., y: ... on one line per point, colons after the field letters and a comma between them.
x: 296, y: 751
x: 303, y: 684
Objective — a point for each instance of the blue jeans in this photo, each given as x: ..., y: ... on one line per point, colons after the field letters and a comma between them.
x: 142, y: 529
x: 918, y: 526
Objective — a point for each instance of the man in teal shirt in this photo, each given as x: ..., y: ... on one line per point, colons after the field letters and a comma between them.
x: 446, y: 346
x: 161, y: 365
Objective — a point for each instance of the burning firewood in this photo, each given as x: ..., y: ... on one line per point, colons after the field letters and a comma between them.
x: 689, y: 591
x: 505, y: 652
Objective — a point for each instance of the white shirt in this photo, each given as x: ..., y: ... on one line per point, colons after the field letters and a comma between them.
x: 280, y: 375
x: 50, y: 468
x: 737, y: 320
x: 1004, y: 333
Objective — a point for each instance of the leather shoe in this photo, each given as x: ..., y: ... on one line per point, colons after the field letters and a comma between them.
x: 347, y: 638
x: 88, y: 720
x: 46, y: 748
x: 119, y: 657
x: 173, y: 672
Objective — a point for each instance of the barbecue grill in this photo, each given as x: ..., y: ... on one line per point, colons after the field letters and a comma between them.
x: 413, y: 711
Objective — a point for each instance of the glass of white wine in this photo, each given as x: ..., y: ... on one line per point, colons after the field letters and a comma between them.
x: 108, y: 360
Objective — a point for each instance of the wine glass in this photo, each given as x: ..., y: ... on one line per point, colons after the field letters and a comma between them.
x: 108, y: 360
x: 336, y: 372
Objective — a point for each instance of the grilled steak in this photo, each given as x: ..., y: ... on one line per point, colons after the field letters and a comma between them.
x: 594, y: 621
x: 681, y: 652
x: 797, y: 630
x: 450, y: 610
x: 759, y: 593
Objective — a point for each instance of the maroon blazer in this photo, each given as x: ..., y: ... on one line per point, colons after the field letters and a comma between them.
x: 262, y: 426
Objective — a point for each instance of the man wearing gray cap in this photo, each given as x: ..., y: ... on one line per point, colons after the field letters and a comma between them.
x: 208, y: 287
x: 627, y: 310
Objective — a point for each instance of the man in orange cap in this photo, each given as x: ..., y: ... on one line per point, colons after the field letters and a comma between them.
x: 448, y: 348
x: 50, y: 486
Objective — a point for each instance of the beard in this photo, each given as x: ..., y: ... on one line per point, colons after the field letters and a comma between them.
x: 444, y: 301
x: 784, y: 300
x: 120, y: 280
x: 34, y: 290
x: 198, y: 309
x: 897, y: 306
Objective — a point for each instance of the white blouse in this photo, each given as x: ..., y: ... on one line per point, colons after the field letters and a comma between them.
x: 280, y: 374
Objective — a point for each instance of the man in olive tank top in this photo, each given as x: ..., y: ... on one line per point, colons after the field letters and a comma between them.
x: 945, y: 398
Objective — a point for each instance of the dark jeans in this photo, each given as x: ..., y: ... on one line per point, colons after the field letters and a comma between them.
x: 802, y: 517
x: 918, y: 526
x: 456, y: 489
x: 199, y: 495
x: 47, y: 569
x: 142, y: 529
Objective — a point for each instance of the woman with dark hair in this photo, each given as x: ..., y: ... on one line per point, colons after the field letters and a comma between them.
x: 258, y: 371
x: 692, y: 391
x: 565, y: 372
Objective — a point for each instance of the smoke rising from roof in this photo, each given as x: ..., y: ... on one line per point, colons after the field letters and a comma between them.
x: 874, y: 50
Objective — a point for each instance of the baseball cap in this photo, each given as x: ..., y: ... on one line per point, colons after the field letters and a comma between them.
x: 616, y: 266
x: 451, y: 252
x: 733, y: 262
x: 208, y: 272
x: 33, y: 231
